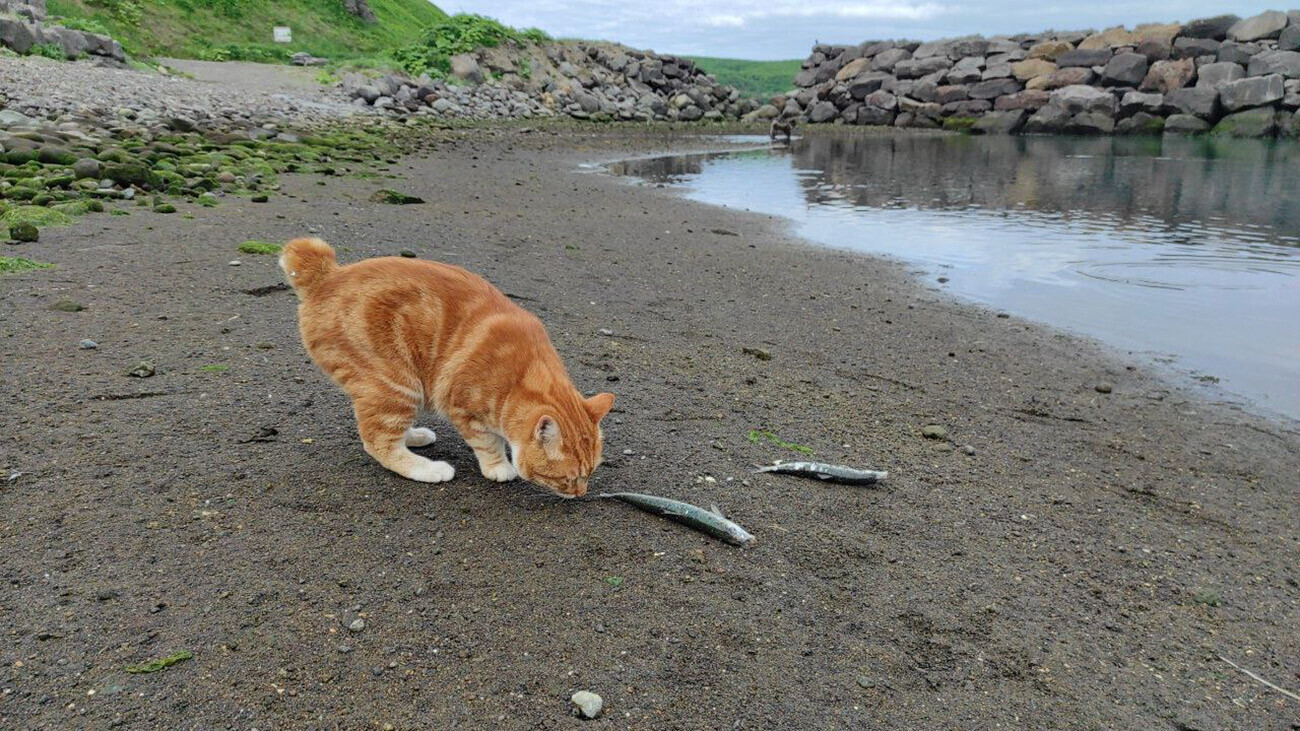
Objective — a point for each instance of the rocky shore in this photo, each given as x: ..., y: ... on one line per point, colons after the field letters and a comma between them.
x: 583, y: 80
x: 23, y: 28
x: 1224, y: 75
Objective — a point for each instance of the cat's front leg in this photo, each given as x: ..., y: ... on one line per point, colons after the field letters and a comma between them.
x: 490, y: 449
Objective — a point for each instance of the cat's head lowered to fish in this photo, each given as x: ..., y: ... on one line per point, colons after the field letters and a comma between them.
x: 558, y: 445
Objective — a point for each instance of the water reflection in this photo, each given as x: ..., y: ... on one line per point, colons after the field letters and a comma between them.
x: 1188, y: 247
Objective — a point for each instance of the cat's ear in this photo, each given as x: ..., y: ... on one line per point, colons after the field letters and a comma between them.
x: 547, y: 432
x: 599, y: 405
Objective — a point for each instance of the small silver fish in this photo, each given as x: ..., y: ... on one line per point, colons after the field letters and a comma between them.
x: 828, y: 472
x: 709, y: 521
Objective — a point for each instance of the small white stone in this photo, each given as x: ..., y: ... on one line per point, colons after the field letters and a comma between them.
x: 236, y: 263
x: 357, y: 625
x: 589, y: 704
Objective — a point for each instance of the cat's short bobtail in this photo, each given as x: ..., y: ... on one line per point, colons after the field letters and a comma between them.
x: 402, y: 335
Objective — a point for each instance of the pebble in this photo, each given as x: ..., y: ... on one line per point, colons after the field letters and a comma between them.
x: 88, y: 344
x: 357, y: 625
x: 143, y: 369
x: 943, y: 280
x: 407, y: 253
x: 760, y: 353
x: 1104, y: 388
x: 345, y: 649
x: 67, y: 306
x: 968, y: 450
x: 589, y: 704
x: 606, y: 331
x: 934, y: 431
x: 236, y: 263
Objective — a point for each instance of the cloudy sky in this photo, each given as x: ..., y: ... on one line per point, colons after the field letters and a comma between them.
x: 771, y: 29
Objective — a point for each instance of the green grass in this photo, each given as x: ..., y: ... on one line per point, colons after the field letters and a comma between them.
x: 154, y: 666
x: 35, y: 215
x: 460, y: 33
x: 259, y: 247
x: 11, y: 264
x: 756, y: 436
x: 753, y: 78
x: 241, y: 29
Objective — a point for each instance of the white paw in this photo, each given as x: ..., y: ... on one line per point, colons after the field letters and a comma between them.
x: 426, y: 470
x: 419, y: 437
x: 503, y: 472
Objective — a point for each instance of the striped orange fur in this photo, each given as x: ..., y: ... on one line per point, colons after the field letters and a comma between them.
x: 400, y: 336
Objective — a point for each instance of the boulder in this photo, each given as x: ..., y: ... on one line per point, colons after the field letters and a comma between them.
x: 950, y: 94
x: 823, y: 111
x: 1157, y: 32
x: 19, y: 35
x: 1165, y: 76
x: 1140, y: 124
x: 1137, y: 101
x: 1216, y: 27
x: 931, y: 49
x: 1267, y: 25
x: 887, y: 60
x: 1032, y: 68
x: 1215, y: 75
x: 1124, y: 69
x: 1050, y: 119
x: 994, y: 88
x: 1084, y: 57
x: 875, y: 116
x: 1185, y: 124
x: 915, y: 68
x: 1108, y: 39
x: 1194, y: 47
x: 863, y: 85
x: 1286, y: 63
x: 1073, y: 76
x: 1255, y: 91
x: 923, y: 109
x: 853, y: 68
x: 466, y: 68
x: 1250, y: 123
x: 1090, y: 123
x: 881, y: 100
x: 1048, y: 50
x: 996, y: 71
x: 1200, y: 101
x: 1006, y: 122
x: 1291, y: 99
x: 924, y: 91
x: 965, y: 47
x: 1031, y: 99
x: 1290, y: 38
x: 967, y: 75
x: 968, y: 108
x: 1154, y: 50
x: 1078, y: 99
x: 1239, y: 53
x: 803, y: 79
x: 87, y: 167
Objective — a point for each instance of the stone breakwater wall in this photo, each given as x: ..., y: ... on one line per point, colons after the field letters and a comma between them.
x: 1225, y: 74
x: 23, y: 27
x: 577, y: 79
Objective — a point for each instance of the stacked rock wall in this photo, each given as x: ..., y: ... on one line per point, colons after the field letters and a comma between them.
x: 23, y: 27
x: 1227, y: 74
x: 578, y: 79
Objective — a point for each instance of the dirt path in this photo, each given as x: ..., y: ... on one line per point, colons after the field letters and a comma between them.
x: 260, y: 77
x: 1083, y: 569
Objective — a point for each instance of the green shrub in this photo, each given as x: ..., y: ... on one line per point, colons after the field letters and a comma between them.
x: 460, y: 33
x: 48, y: 50
x: 259, y: 247
x: 9, y: 264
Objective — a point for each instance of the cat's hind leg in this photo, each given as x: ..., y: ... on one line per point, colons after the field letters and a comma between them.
x: 418, y: 436
x: 384, y: 421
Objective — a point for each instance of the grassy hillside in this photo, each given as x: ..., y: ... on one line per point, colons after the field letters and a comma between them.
x: 753, y: 78
x: 241, y: 29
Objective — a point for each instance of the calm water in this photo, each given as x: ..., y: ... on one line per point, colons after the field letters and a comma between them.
x: 1184, y: 250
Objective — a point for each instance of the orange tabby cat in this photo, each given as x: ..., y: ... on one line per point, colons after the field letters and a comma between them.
x: 401, y: 335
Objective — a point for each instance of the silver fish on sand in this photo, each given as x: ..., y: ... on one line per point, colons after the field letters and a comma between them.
x: 828, y: 472
x: 709, y: 521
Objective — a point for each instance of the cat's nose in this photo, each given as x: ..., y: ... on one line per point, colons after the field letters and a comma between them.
x: 579, y: 487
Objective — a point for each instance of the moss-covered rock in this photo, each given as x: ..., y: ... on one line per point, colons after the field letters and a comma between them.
x: 164, y: 208
x: 24, y: 231
x: 55, y: 156
x: 393, y: 197
x: 127, y: 173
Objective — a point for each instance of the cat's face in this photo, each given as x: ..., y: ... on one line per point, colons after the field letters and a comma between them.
x: 564, y: 447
